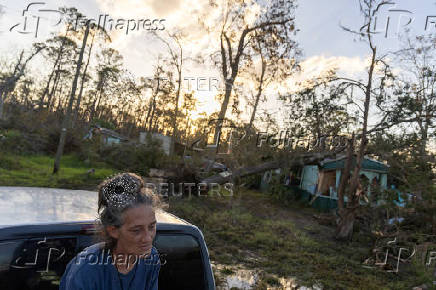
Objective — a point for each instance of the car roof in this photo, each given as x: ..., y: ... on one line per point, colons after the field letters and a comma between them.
x: 37, y: 205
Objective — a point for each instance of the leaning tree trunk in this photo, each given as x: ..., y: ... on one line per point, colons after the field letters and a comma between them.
x: 345, y: 227
x: 56, y: 66
x: 153, y: 106
x: 82, y: 83
x: 93, y: 105
x: 1, y: 105
x: 345, y: 175
x: 259, y: 93
x: 176, y: 112
x: 224, y: 105
x: 221, y: 117
x: 153, y: 109
x: 66, y: 121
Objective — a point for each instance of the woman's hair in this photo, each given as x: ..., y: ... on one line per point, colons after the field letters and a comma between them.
x: 118, y: 194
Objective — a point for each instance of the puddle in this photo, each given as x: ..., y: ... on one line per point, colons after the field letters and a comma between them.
x: 234, y: 276
x: 238, y: 277
x: 242, y: 279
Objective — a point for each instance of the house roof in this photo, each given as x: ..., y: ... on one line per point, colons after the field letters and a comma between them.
x: 112, y: 134
x: 367, y: 164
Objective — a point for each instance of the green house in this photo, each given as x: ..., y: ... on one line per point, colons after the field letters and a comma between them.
x: 323, y: 180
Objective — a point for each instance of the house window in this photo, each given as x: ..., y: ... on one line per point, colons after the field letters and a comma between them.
x: 327, y: 182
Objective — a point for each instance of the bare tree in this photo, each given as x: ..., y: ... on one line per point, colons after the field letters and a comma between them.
x: 108, y: 73
x: 176, y: 60
x: 354, y: 190
x: 8, y: 81
x: 274, y: 27
x: 158, y: 77
x: 274, y: 69
x: 61, y: 48
x: 416, y: 90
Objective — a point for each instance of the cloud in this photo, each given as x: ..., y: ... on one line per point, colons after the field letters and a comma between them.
x: 316, y: 65
x: 165, y: 7
x: 187, y: 16
x: 128, y: 8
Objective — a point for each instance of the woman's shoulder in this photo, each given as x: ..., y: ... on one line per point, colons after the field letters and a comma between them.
x: 88, y: 259
x: 84, y: 269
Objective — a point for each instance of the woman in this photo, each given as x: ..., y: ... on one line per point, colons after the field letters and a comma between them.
x: 126, y: 260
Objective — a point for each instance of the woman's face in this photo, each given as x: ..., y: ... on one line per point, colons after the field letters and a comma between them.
x: 136, y: 235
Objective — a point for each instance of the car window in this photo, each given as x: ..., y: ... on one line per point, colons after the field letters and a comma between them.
x: 35, y: 263
x: 182, y: 265
x: 7, y: 250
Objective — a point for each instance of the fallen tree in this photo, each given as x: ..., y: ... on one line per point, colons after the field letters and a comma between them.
x: 302, y: 159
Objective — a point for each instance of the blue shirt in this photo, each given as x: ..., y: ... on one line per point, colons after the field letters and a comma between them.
x: 93, y: 269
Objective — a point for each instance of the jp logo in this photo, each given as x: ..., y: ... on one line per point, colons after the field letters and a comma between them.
x: 32, y: 19
x: 382, y: 255
x: 232, y: 137
x: 39, y: 258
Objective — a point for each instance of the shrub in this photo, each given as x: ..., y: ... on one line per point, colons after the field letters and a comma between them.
x: 134, y: 157
x: 103, y: 123
x: 73, y: 142
x: 281, y: 192
x: 17, y: 142
x: 252, y: 181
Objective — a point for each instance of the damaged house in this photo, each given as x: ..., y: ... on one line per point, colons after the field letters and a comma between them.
x: 322, y: 181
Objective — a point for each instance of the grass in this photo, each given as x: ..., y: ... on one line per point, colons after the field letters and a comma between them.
x: 36, y: 171
x: 249, y: 228
x: 252, y: 229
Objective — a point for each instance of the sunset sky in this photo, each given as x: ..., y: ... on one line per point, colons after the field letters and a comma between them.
x: 324, y: 43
